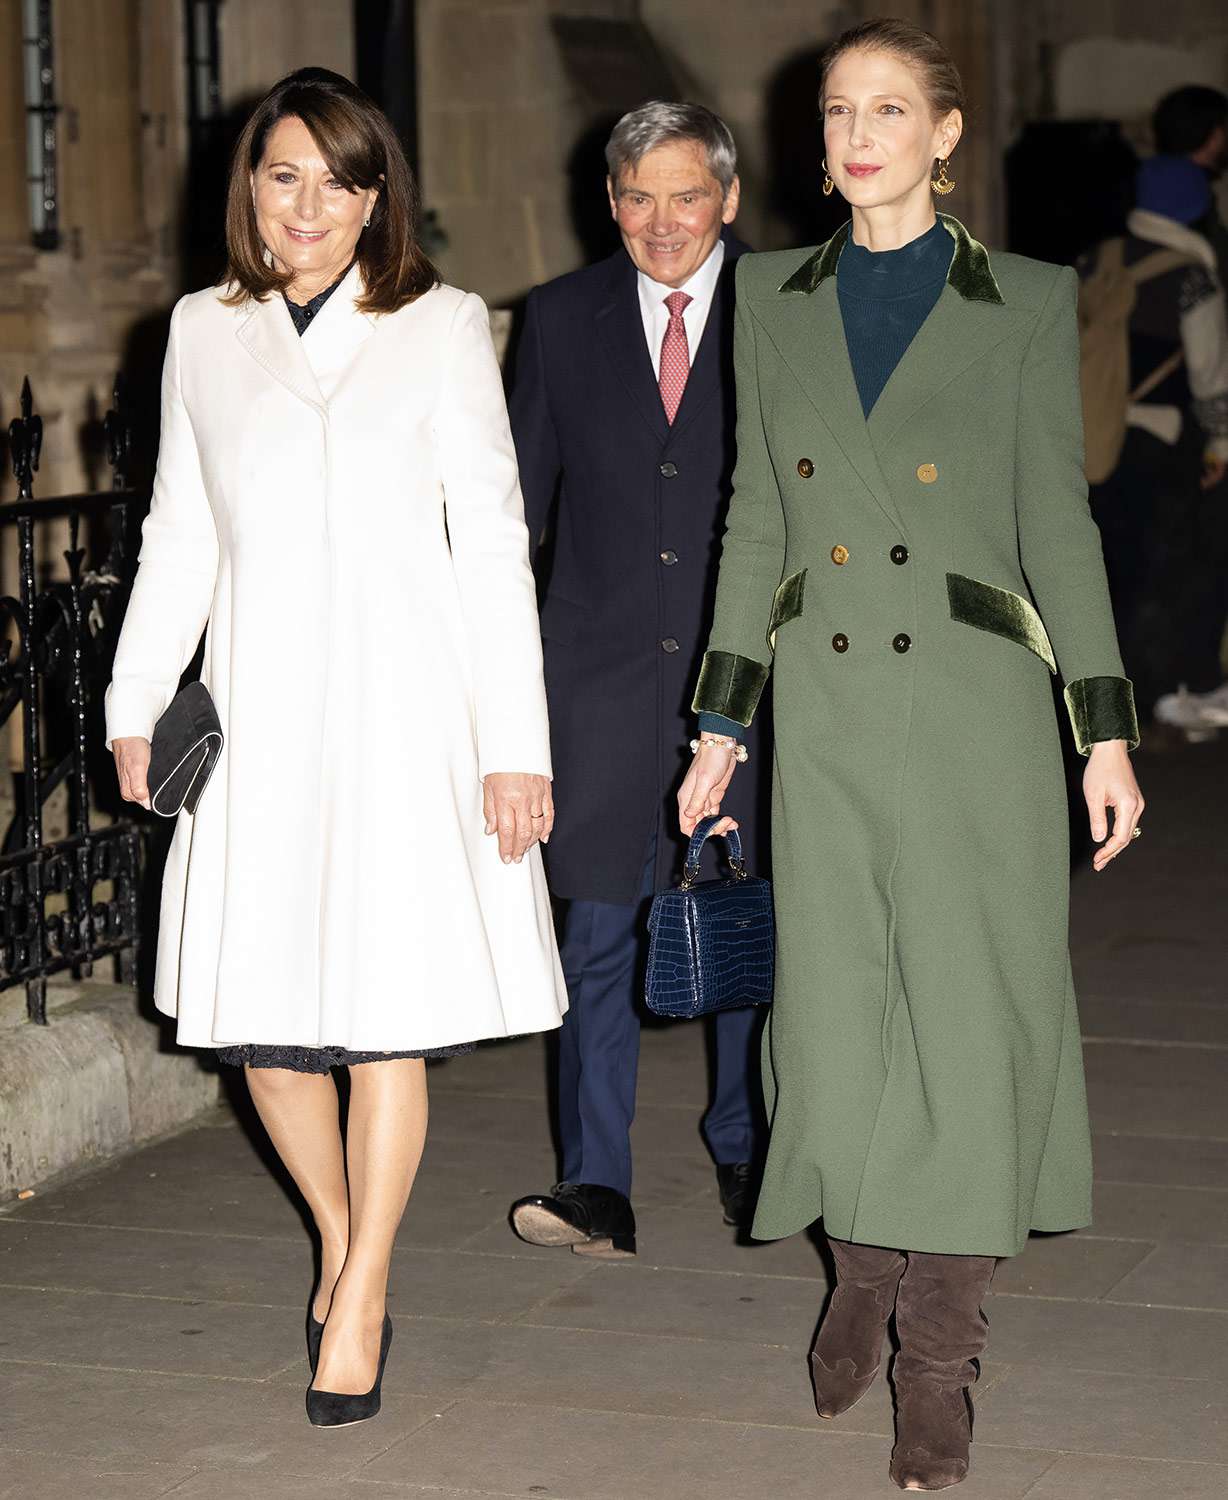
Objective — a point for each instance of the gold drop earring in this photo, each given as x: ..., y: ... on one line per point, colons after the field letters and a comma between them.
x: 828, y: 184
x: 943, y: 184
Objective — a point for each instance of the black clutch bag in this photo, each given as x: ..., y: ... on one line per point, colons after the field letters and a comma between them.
x: 713, y: 942
x: 187, y: 741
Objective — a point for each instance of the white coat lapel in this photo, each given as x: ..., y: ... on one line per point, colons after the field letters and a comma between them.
x: 339, y: 331
x: 268, y: 335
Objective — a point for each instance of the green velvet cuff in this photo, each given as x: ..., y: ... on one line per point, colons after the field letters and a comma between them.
x: 988, y: 607
x: 1102, y: 708
x: 729, y: 685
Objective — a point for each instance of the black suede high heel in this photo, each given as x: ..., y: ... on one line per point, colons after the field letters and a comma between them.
x: 333, y: 1409
x: 315, y: 1332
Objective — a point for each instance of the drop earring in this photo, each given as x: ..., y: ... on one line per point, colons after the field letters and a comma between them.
x: 828, y: 184
x: 942, y: 184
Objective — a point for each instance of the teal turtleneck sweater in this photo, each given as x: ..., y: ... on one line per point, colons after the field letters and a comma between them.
x: 885, y: 296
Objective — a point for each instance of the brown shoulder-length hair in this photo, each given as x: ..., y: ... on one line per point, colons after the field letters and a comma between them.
x: 358, y: 142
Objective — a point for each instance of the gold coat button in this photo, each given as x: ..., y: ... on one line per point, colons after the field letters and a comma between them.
x: 805, y: 467
x: 839, y: 555
x: 927, y: 473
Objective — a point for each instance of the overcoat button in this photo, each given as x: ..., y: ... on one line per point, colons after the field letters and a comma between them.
x: 899, y: 555
x: 805, y: 468
x: 839, y: 555
x: 669, y: 644
x: 669, y: 558
x: 839, y: 643
x: 669, y: 470
x: 927, y: 473
x: 902, y: 643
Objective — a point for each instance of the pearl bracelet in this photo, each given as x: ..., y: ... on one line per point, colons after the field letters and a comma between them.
x: 740, y: 752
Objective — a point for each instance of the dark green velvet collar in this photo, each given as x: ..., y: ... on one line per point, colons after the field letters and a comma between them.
x: 971, y: 274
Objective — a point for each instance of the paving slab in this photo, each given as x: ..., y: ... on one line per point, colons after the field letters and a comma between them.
x: 1132, y: 1412
x: 1108, y: 1336
x: 1161, y: 1213
x: 146, y: 1333
x: 1152, y: 1020
x: 266, y: 1272
x: 1160, y: 1161
x: 1080, y: 1265
x: 597, y: 1455
x: 1155, y: 1090
x: 190, y: 1422
x: 688, y: 1304
x: 1136, y: 1479
x: 48, y: 1476
x: 1178, y: 1275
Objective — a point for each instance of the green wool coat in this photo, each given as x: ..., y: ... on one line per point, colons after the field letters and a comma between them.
x: 911, y: 581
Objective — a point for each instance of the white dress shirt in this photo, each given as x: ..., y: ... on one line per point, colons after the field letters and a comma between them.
x: 700, y: 288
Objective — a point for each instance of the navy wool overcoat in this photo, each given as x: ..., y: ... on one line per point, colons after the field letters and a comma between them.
x: 634, y: 511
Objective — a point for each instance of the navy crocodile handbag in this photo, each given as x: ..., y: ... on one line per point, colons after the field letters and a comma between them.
x: 713, y: 942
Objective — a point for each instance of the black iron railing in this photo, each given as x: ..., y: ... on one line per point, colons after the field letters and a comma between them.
x: 67, y: 903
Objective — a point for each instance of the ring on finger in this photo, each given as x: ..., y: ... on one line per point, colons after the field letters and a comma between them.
x: 1136, y: 832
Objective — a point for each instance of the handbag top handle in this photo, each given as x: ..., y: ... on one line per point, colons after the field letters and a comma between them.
x: 703, y: 832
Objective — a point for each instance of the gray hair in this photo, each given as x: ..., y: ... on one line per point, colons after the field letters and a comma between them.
x: 658, y: 122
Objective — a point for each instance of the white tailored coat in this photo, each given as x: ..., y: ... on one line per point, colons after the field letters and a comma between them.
x: 344, y: 512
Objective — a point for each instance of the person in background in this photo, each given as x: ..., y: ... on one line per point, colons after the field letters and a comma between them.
x: 1163, y: 513
x: 622, y: 412
x: 1193, y: 122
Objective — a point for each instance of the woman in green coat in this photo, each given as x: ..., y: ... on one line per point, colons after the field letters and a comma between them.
x: 909, y: 553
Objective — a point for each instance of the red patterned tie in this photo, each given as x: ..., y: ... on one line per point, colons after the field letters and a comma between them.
x: 675, y: 356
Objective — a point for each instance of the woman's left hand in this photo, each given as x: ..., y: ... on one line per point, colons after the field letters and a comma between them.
x: 520, y: 809
x: 1109, y: 782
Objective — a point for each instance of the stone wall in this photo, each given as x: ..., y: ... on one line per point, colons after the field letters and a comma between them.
x: 69, y: 317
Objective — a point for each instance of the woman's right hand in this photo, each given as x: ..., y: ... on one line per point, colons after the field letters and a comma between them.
x: 706, y: 782
x: 132, y: 766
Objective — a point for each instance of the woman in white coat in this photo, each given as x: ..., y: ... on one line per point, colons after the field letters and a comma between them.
x: 337, y: 500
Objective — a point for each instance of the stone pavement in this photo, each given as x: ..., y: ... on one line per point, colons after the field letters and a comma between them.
x: 151, y: 1313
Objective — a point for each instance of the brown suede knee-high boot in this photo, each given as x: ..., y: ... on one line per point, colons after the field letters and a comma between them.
x: 849, y: 1346
x: 942, y: 1331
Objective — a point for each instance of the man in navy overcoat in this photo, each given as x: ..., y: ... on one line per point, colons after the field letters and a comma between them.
x: 622, y: 410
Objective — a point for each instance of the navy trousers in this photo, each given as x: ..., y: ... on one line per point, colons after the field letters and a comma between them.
x: 602, y: 950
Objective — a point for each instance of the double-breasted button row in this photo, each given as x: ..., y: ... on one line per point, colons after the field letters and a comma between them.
x: 840, y: 554
x: 669, y: 558
x: 669, y: 470
x: 669, y: 645
x: 901, y: 643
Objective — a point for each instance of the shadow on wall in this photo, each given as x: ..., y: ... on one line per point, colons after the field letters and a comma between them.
x: 591, y: 220
x: 798, y: 213
x: 1069, y: 185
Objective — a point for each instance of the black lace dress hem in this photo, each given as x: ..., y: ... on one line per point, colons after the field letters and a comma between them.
x: 321, y: 1059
